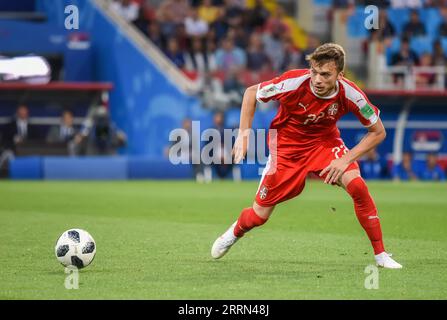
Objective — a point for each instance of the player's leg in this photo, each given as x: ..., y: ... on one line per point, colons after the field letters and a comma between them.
x: 249, y: 218
x: 279, y: 182
x: 366, y: 212
x: 252, y: 217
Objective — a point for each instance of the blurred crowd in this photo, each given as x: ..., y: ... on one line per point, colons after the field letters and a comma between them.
x: 406, y: 55
x: 374, y: 167
x: 418, y: 42
x: 222, y: 43
x: 227, y: 45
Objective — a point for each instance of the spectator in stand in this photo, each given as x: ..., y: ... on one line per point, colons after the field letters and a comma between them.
x: 386, y: 29
x: 220, y: 26
x: 174, y: 53
x: 312, y: 43
x: 273, y: 46
x: 292, y: 56
x: 208, y: 12
x: 222, y: 163
x: 229, y: 57
x: 373, y: 167
x: 406, y: 169
x: 210, y: 49
x: 127, y: 9
x: 258, y: 16
x: 233, y: 88
x: 239, y: 37
x: 174, y: 10
x: 141, y: 22
x: 19, y: 130
x: 171, y: 14
x: 194, y: 25
x: 153, y: 32
x: 182, y: 38
x: 64, y: 133
x: 199, y: 60
x: 443, y: 26
x: 257, y: 59
x: 406, y: 56
x: 432, y: 170
x: 234, y: 13
x: 425, y: 79
x: 439, y: 56
x: 414, y: 27
x: 15, y: 133
x: 275, y: 22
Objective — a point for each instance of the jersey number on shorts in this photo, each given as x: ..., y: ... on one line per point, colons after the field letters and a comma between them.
x: 337, y: 150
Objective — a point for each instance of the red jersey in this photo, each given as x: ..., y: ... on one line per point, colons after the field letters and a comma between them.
x: 306, y: 120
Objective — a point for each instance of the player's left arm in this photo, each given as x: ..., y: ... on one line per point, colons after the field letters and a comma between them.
x: 376, y: 134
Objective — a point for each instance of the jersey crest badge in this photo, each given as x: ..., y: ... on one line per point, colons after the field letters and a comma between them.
x: 263, y: 192
x: 333, y: 109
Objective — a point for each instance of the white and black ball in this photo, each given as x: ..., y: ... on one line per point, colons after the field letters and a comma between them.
x: 76, y: 248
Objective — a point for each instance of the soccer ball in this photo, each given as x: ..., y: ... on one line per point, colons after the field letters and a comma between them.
x: 75, y: 247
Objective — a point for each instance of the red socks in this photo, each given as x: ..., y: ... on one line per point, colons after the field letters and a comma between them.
x: 366, y: 212
x: 247, y: 221
x: 364, y: 206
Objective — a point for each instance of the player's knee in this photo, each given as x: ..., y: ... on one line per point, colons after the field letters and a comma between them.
x: 263, y: 212
x: 348, y: 176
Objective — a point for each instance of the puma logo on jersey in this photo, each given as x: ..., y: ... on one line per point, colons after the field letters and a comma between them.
x: 304, y: 106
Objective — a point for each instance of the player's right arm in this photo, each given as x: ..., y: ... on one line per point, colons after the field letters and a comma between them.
x: 275, y: 89
x: 247, y: 113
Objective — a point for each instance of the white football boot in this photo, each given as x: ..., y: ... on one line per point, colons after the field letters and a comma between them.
x: 224, y: 243
x: 384, y: 260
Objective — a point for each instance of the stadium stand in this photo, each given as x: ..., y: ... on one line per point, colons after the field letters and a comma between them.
x: 126, y: 48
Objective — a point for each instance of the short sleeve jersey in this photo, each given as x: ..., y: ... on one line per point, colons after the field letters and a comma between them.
x: 304, y: 119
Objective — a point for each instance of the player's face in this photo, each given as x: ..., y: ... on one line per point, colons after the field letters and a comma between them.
x: 324, y: 78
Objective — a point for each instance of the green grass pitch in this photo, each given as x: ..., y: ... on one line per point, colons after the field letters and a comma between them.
x: 154, y: 239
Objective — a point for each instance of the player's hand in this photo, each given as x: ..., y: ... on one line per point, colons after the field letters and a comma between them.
x: 334, y: 170
x: 240, y: 147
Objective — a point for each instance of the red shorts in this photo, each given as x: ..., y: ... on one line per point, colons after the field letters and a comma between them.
x: 284, y: 177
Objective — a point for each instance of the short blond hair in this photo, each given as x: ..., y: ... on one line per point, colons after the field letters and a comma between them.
x: 328, y: 52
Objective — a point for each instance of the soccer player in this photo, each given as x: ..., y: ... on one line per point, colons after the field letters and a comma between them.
x: 308, y: 140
